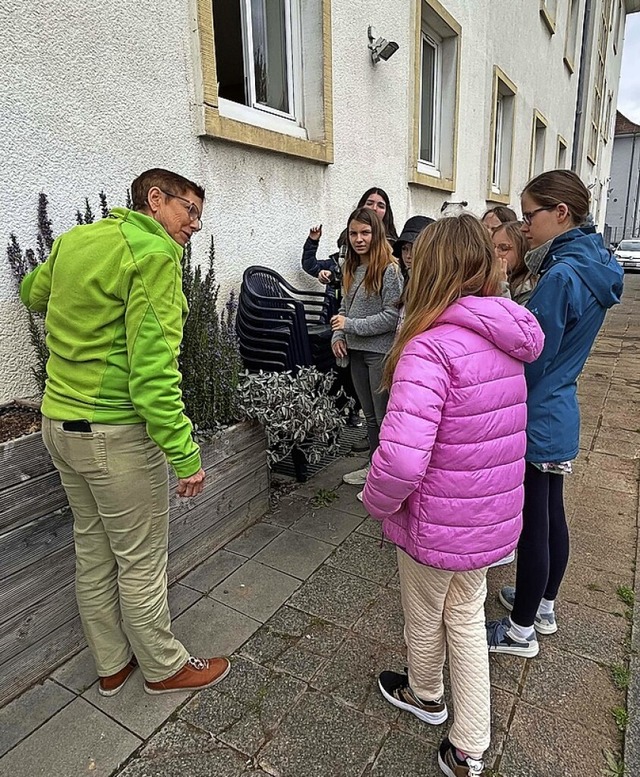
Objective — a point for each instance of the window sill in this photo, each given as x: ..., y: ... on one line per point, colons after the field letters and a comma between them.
x: 548, y: 19
x: 569, y: 65
x: 500, y: 199
x: 224, y: 128
x: 431, y: 181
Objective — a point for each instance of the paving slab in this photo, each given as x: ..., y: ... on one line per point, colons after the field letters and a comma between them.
x: 245, y: 709
x: 371, y: 528
x: 591, y: 634
x: 78, y: 741
x: 255, y: 590
x: 78, y: 673
x: 335, y: 596
x: 181, y: 598
x: 133, y: 708
x: 332, y: 526
x: 210, y: 628
x: 331, y: 477
x: 322, y: 737
x: 405, y: 756
x: 253, y: 539
x: 595, y: 588
x: 363, y: 556
x: 294, y: 553
x: 348, y: 502
x: 29, y: 711
x: 541, y: 744
x: 288, y: 511
x: 384, y: 619
x: 213, y: 571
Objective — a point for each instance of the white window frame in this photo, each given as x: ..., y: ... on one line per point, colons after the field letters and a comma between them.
x: 501, y: 137
x: 264, y: 115
x: 425, y: 166
x: 538, y: 143
x: 561, y: 153
x: 496, y: 173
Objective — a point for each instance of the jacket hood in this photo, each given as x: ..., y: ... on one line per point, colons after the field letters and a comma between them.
x: 505, y: 324
x: 584, y: 251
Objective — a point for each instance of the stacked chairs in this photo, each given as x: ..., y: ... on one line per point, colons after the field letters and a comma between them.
x: 280, y: 327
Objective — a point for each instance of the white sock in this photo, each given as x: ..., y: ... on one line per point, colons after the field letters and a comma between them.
x: 524, y: 633
x: 546, y: 606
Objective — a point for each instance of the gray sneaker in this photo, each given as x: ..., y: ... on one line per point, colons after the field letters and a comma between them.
x: 544, y: 624
x: 357, y: 478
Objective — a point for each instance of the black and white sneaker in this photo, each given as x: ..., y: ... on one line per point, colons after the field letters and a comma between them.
x: 452, y: 766
x: 501, y: 639
x: 394, y: 686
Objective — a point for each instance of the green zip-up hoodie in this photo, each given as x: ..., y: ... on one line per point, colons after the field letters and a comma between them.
x: 112, y: 292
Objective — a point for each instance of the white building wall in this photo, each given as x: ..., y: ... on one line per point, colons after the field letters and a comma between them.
x: 92, y: 94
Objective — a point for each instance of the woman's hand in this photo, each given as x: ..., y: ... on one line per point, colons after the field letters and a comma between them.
x: 337, y: 323
x: 504, y: 267
x: 315, y: 233
x: 324, y: 276
x: 339, y: 349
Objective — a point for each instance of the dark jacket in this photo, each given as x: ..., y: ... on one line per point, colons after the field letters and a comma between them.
x: 311, y: 264
x: 579, y: 281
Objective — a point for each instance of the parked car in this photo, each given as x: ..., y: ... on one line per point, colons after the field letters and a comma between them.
x: 628, y: 254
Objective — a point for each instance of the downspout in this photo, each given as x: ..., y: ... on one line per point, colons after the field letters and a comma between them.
x: 581, y: 85
x: 626, y: 205
x: 635, y: 204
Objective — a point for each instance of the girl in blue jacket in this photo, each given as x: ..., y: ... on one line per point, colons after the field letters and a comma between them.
x: 579, y: 279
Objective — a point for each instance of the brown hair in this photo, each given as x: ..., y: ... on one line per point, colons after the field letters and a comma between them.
x: 502, y: 213
x: 452, y: 258
x: 513, y: 230
x: 556, y: 187
x: 380, y: 256
x: 162, y: 179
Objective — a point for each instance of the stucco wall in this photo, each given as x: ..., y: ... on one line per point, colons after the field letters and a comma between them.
x: 91, y: 95
x: 625, y: 168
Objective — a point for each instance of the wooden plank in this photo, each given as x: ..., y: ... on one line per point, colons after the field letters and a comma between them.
x: 37, y: 621
x: 35, y: 541
x: 22, y: 459
x: 190, y: 555
x: 28, y: 501
x: 33, y: 583
x: 40, y: 659
x: 206, y: 514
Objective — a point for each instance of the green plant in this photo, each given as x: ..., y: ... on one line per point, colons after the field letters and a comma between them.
x: 614, y: 765
x: 297, y: 411
x: 626, y: 595
x: 621, y: 676
x: 621, y: 717
x: 324, y: 497
x: 210, y: 361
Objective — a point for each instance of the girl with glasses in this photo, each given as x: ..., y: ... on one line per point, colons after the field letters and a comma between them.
x: 511, y: 247
x: 579, y: 280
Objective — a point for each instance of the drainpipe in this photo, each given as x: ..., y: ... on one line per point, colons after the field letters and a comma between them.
x: 635, y: 204
x: 626, y: 205
x: 581, y: 100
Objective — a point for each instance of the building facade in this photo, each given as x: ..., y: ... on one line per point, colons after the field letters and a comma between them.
x: 277, y: 108
x: 623, y: 207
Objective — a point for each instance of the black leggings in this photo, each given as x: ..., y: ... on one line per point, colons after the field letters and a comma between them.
x: 543, y: 549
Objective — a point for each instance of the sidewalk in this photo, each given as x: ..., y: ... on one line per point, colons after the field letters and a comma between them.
x: 308, y: 603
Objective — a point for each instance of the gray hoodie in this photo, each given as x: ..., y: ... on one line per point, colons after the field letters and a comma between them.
x: 371, y: 318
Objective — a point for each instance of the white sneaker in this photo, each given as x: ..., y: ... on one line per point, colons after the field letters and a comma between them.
x: 506, y: 560
x: 359, y: 496
x: 357, y: 478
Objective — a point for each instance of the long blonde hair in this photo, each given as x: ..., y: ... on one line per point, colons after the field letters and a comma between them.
x: 380, y: 256
x: 452, y: 258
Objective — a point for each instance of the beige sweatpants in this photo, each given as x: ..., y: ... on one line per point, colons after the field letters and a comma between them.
x: 117, y: 484
x: 446, y: 610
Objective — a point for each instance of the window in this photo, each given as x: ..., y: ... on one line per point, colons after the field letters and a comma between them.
x: 608, y: 117
x: 436, y: 97
x: 504, y: 92
x: 561, y: 161
x: 548, y: 10
x: 599, y: 86
x: 266, y: 74
x: 538, y: 142
x: 571, y: 37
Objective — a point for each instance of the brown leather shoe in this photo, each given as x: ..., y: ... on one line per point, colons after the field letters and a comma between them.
x: 114, y: 683
x: 197, y: 673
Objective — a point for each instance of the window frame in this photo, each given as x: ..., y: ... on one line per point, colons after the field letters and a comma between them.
x: 423, y: 165
x: 539, y: 122
x: 549, y: 14
x: 571, y: 35
x: 441, y: 176
x: 262, y: 127
x: 562, y: 148
x: 504, y: 88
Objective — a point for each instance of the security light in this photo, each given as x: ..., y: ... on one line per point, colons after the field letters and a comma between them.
x: 380, y: 48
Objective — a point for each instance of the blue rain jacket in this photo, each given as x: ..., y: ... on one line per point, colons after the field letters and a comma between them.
x: 579, y: 280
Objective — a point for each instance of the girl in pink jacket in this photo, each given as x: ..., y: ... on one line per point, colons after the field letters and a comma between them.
x: 446, y: 480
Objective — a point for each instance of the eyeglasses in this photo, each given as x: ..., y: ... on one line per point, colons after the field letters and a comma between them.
x: 192, y: 209
x: 503, y: 248
x: 528, y: 216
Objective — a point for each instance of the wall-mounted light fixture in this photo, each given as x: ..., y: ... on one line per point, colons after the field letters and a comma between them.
x: 380, y: 48
x: 460, y: 205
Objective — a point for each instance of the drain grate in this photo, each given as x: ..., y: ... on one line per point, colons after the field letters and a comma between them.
x: 348, y: 436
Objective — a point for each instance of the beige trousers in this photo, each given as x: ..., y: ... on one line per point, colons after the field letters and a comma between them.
x: 117, y: 485
x: 446, y: 610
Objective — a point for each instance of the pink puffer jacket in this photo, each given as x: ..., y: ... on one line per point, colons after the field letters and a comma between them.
x: 447, y: 477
